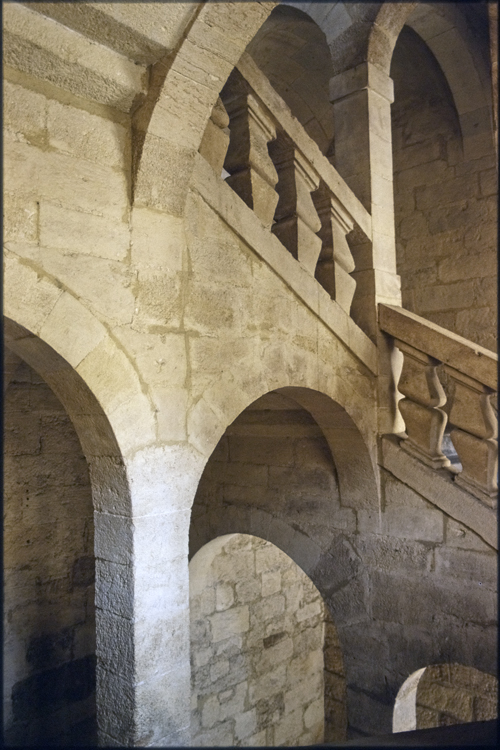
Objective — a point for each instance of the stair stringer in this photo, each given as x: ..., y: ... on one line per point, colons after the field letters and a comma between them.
x: 437, y: 486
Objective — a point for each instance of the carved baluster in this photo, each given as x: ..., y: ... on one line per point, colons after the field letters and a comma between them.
x: 474, y: 432
x: 297, y: 220
x: 424, y: 394
x: 335, y: 262
x: 215, y: 139
x: 252, y: 173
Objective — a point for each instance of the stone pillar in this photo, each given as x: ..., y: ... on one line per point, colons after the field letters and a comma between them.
x: 143, y: 681
x: 361, y: 99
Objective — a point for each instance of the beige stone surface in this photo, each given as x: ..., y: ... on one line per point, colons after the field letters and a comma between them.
x: 216, y: 387
x: 258, y: 637
x: 49, y: 561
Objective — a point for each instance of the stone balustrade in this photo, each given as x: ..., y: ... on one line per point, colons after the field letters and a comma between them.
x: 280, y: 173
x: 472, y: 382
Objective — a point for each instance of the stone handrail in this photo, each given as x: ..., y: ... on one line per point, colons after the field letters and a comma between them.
x: 472, y: 373
x: 280, y: 173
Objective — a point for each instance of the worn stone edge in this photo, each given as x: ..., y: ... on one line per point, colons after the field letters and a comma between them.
x: 465, y: 356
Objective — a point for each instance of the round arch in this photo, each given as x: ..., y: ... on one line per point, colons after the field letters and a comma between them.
x: 170, y: 129
x: 73, y: 351
x: 272, y: 475
x: 251, y: 601
x: 444, y: 30
x: 444, y: 694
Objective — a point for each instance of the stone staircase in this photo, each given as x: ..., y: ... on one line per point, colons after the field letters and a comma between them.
x: 449, y: 387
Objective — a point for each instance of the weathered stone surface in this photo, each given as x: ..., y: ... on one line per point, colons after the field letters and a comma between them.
x: 158, y: 307
x: 264, y: 687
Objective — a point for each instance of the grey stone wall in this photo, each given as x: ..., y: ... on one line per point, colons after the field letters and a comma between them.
x: 49, y: 622
x: 445, y: 694
x: 257, y: 640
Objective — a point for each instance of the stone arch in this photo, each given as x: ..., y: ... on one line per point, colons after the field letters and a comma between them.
x: 346, y: 27
x: 223, y: 403
x: 49, y: 569
x: 108, y: 481
x: 170, y: 130
x: 71, y: 350
x: 59, y: 337
x: 442, y: 148
x: 264, y: 649
x: 445, y: 694
x: 292, y: 51
x: 284, y: 477
x: 444, y: 30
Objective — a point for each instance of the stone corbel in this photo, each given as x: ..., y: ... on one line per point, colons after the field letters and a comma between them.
x: 474, y: 434
x: 252, y: 175
x: 335, y: 262
x: 297, y: 220
x: 424, y: 395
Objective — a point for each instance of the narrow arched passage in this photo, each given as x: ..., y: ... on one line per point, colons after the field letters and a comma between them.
x: 443, y: 695
x: 264, y: 651
x: 68, y: 487
x: 273, y: 474
x: 445, y: 183
x: 49, y: 571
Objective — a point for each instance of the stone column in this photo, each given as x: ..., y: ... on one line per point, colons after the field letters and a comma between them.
x: 361, y: 99
x: 143, y: 603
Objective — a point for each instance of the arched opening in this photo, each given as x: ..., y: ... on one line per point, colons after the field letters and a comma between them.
x: 266, y: 662
x: 445, y: 180
x: 291, y: 469
x: 68, y: 493
x: 292, y: 51
x: 49, y: 570
x: 445, y: 694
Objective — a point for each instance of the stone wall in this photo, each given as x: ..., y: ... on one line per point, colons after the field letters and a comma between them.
x: 293, y: 53
x: 257, y: 638
x: 445, y: 203
x: 398, y: 580
x: 445, y: 694
x: 49, y: 625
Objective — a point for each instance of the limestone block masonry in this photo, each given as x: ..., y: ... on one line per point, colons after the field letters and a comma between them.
x: 257, y: 640
x: 49, y: 625
x: 177, y: 375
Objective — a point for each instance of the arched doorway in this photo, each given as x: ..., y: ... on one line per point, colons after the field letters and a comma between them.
x: 63, y: 449
x: 291, y: 469
x: 445, y: 694
x: 445, y: 176
x: 49, y: 570
x: 266, y: 661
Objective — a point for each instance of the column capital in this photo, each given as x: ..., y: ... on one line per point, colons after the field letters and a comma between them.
x: 363, y: 76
